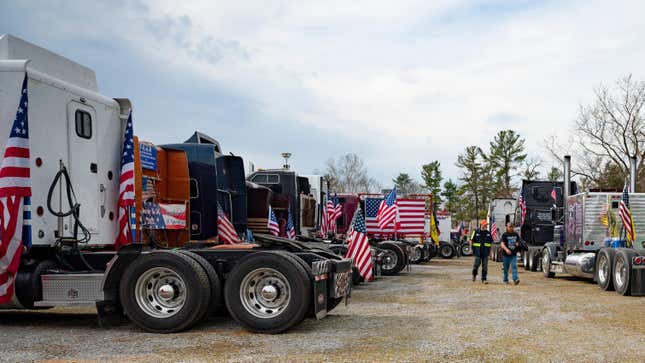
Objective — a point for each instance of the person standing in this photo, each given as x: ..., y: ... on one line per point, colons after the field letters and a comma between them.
x: 480, y: 243
x: 510, y: 246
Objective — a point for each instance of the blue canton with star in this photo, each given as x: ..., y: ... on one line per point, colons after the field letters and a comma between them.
x: 20, y: 125
x: 128, y: 143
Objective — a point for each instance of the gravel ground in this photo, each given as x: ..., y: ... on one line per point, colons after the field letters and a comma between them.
x: 432, y: 313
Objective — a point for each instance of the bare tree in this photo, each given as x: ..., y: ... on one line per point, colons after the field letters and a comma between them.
x: 348, y: 174
x: 530, y: 168
x: 612, y: 127
x: 609, y: 130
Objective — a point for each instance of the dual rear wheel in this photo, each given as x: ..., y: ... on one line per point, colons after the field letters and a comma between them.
x: 171, y: 291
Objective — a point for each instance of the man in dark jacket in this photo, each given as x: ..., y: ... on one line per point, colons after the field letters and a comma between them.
x: 480, y: 243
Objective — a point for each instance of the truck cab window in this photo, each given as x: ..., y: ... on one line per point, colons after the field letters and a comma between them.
x: 194, y: 189
x: 83, y: 124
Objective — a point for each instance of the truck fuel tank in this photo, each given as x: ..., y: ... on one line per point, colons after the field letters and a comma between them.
x: 581, y: 264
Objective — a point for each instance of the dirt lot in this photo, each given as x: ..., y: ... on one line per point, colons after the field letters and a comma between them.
x: 432, y: 313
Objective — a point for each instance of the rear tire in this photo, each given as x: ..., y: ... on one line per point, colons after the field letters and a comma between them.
x: 622, y: 270
x: 446, y: 251
x: 605, y: 268
x: 393, y: 258
x: 465, y: 250
x: 525, y: 260
x: 416, y: 255
x: 546, y: 264
x: 216, y: 302
x: 268, y: 292
x: 534, y: 260
x: 165, y: 292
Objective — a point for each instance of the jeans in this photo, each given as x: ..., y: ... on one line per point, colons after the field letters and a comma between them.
x: 510, y: 261
x: 483, y: 261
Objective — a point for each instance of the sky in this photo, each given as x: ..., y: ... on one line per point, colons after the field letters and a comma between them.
x: 400, y: 83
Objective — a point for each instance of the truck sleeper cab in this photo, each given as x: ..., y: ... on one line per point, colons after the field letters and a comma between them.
x: 268, y: 287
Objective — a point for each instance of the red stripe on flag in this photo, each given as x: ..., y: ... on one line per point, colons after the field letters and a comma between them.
x: 16, y: 152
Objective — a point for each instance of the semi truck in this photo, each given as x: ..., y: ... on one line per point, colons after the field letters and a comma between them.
x: 76, y: 136
x: 535, y: 215
x: 583, y: 246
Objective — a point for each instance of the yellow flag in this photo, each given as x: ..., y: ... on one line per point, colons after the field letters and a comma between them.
x: 434, y: 231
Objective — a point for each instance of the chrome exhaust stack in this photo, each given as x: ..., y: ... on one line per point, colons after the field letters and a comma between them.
x: 632, y: 174
x: 567, y: 186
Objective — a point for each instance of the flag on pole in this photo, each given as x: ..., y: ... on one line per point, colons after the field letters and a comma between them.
x: 625, y: 214
x: 387, y: 210
x: 291, y: 229
x: 324, y: 222
x: 359, y: 247
x: 272, y: 224
x: 493, y: 228
x: 225, y: 230
x: 331, y: 211
x: 15, y: 195
x: 126, y: 186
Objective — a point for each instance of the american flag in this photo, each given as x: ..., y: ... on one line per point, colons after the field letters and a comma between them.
x: 164, y: 216
x: 411, y: 216
x: 338, y: 209
x: 272, y: 223
x: 371, y: 222
x: 324, y: 222
x: 359, y: 247
x: 371, y: 210
x: 493, y: 228
x: 626, y: 216
x: 15, y: 195
x: 331, y: 211
x: 522, y: 207
x: 291, y: 229
x: 126, y: 186
x: 387, y: 210
x: 225, y: 230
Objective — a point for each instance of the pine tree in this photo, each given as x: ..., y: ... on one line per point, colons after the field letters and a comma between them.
x: 450, y: 195
x: 470, y: 163
x: 506, y: 155
x: 431, y: 175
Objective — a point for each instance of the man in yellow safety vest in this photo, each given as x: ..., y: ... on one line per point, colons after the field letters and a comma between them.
x: 480, y: 242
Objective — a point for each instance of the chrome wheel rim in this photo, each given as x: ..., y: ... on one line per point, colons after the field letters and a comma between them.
x: 160, y: 292
x: 445, y: 251
x: 265, y: 293
x: 619, y: 274
x: 546, y: 262
x: 389, y: 260
x: 603, y: 269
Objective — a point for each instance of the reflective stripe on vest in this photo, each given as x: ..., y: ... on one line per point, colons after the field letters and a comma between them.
x: 476, y: 244
x: 486, y: 244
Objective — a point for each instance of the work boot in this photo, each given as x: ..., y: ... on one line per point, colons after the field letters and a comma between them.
x: 474, y: 278
x: 505, y: 282
x: 484, y: 282
x: 516, y: 282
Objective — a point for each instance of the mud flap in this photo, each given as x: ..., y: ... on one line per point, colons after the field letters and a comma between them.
x: 638, y: 281
x: 320, y: 296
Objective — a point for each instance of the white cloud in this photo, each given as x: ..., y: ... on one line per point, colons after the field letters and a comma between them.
x: 405, y: 83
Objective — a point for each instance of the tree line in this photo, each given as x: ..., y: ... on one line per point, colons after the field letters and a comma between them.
x: 605, y: 134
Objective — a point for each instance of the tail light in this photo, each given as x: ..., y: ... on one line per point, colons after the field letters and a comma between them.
x: 638, y: 260
x: 587, y: 243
